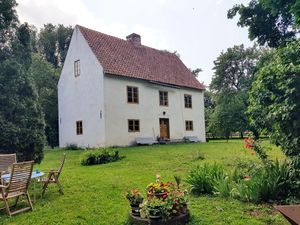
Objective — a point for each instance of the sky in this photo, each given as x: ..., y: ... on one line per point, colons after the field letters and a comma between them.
x: 197, y: 29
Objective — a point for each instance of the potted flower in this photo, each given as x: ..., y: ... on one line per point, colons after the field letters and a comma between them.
x: 135, y: 198
x: 155, y: 208
x: 159, y: 189
x: 179, y: 201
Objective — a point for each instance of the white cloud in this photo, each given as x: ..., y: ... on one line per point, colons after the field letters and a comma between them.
x: 219, y: 2
x: 72, y: 12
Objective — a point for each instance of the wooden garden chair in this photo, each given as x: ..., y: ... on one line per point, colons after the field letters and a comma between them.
x: 6, y: 161
x: 53, y: 177
x: 17, y: 186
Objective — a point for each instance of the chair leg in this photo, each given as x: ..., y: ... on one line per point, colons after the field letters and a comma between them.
x: 45, y: 187
x: 29, y: 200
x: 6, y: 206
x: 59, y: 187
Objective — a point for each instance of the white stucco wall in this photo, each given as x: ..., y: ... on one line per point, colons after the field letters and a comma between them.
x: 81, y: 98
x: 148, y: 111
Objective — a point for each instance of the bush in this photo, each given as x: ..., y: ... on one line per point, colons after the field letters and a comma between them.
x: 223, y: 187
x: 272, y: 182
x: 73, y: 146
x: 203, y: 178
x: 99, y: 156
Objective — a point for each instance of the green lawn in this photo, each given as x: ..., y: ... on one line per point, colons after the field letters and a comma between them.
x: 95, y: 194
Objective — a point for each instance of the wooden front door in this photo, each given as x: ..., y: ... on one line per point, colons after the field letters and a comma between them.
x: 164, y: 129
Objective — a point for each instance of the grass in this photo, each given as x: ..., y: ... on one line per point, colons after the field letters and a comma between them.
x: 95, y: 194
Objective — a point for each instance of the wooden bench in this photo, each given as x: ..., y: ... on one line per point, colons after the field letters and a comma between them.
x: 290, y: 212
x: 145, y: 141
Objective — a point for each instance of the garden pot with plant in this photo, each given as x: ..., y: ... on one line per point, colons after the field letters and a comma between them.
x: 135, y: 198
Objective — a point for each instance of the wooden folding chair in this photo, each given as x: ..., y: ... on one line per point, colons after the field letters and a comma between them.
x: 17, y: 186
x: 6, y: 161
x: 53, y: 177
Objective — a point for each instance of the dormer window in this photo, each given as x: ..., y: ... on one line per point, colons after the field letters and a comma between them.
x: 77, y: 68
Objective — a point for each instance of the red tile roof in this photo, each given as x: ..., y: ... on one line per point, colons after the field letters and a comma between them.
x: 120, y: 57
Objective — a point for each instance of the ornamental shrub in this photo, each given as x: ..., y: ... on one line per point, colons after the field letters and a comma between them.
x: 99, y: 156
x: 203, y: 178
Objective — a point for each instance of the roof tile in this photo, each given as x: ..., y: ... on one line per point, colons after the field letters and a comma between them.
x: 120, y: 57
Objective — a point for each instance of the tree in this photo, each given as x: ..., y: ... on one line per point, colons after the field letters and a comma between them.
x: 228, y: 115
x: 8, y: 24
x: 269, y: 22
x: 275, y: 95
x: 21, y: 118
x: 196, y: 71
x: 234, y: 72
x: 53, y: 43
x: 234, y: 69
x: 46, y: 77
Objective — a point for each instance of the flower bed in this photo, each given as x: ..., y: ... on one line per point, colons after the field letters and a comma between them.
x: 165, y: 204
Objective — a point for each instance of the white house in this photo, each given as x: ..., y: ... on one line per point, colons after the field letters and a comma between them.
x: 112, y: 91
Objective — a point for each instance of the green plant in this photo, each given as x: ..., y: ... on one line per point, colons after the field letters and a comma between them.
x: 156, y: 208
x: 134, y: 196
x: 272, y: 182
x: 202, y: 178
x: 223, y: 187
x: 73, y: 146
x: 198, y: 156
x: 99, y: 156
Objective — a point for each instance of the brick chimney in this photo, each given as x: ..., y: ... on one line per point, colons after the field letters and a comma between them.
x: 134, y: 39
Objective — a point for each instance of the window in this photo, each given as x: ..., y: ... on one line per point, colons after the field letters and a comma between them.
x: 133, y: 126
x: 188, y: 101
x: 163, y: 98
x: 77, y: 68
x: 132, y: 95
x: 79, y: 127
x: 189, y: 125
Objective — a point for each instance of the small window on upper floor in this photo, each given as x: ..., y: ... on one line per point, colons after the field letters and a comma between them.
x: 189, y: 125
x: 187, y: 101
x: 132, y: 95
x: 163, y: 98
x: 79, y: 127
x: 76, y: 68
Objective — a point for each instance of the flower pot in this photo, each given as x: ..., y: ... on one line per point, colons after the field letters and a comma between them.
x: 135, y: 210
x: 155, y: 217
x: 154, y: 213
x: 157, y: 195
x: 184, y: 209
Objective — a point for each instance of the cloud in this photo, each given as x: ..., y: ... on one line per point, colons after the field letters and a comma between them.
x: 219, y: 2
x: 72, y: 12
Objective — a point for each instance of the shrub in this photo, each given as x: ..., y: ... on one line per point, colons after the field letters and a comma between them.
x: 203, y: 178
x: 73, y: 146
x: 99, y: 156
x: 272, y: 182
x: 223, y: 187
